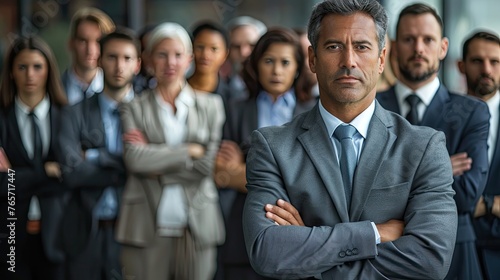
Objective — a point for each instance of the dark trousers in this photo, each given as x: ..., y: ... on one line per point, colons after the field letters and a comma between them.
x: 31, y: 261
x: 100, y: 259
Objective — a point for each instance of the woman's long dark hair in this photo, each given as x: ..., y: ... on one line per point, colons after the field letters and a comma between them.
x: 250, y: 73
x: 8, y: 89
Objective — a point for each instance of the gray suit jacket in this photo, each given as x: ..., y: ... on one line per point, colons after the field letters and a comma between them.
x: 156, y: 164
x: 403, y: 173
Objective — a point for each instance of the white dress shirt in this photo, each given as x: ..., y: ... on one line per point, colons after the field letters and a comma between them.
x: 494, y: 108
x: 172, y: 213
x: 25, y: 125
x: 426, y: 93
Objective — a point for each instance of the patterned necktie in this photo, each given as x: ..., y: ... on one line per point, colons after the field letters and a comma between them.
x: 413, y: 100
x: 348, y: 158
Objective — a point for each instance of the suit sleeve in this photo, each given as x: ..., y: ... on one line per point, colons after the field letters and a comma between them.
x: 426, y: 247
x: 292, y: 251
x: 78, y: 172
x: 474, y: 142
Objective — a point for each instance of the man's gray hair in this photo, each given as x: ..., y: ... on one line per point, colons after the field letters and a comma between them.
x: 247, y: 21
x: 347, y: 7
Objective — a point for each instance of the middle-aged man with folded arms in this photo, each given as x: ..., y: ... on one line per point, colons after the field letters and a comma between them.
x: 372, y: 193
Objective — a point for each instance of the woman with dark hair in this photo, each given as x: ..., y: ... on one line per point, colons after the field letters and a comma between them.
x: 210, y: 50
x: 31, y: 97
x: 270, y: 73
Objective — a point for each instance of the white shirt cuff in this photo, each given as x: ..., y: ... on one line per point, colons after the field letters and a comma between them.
x: 377, y: 235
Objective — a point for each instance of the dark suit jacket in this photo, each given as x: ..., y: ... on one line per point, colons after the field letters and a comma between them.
x: 465, y: 122
x: 29, y: 181
x: 83, y: 129
x: 404, y: 173
x: 241, y: 121
x: 488, y: 227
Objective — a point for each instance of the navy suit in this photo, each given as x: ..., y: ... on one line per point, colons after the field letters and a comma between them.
x: 44, y: 249
x: 83, y: 129
x: 242, y: 119
x: 488, y: 227
x: 465, y: 122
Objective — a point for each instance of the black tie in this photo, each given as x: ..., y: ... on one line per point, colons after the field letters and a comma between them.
x: 37, y: 141
x: 413, y: 100
x: 348, y: 158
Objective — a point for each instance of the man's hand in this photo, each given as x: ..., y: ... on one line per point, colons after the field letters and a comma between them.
x: 135, y: 136
x: 496, y: 206
x: 4, y: 161
x: 230, y: 166
x: 196, y: 151
x: 480, y: 208
x: 53, y: 169
x: 460, y: 163
x: 283, y: 214
x: 390, y: 230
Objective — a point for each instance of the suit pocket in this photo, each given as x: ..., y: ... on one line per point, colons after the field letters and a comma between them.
x: 387, y: 203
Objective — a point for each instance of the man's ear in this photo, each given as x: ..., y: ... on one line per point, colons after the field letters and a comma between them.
x: 461, y: 66
x: 312, y: 59
x: 444, y: 48
x: 381, y: 58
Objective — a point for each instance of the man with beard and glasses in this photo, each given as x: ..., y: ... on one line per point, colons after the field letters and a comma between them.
x: 423, y: 100
x: 481, y: 66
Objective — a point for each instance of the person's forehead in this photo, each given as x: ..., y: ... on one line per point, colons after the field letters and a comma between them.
x: 356, y: 24
x: 483, y: 47
x: 423, y: 23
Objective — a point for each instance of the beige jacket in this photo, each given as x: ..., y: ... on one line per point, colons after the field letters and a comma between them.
x: 154, y: 165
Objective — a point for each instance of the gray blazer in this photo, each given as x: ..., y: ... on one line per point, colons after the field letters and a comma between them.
x: 156, y: 164
x: 404, y: 172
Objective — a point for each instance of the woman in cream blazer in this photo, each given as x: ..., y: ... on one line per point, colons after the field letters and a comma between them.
x: 170, y: 221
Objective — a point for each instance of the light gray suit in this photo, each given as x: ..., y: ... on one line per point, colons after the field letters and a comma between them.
x: 403, y: 173
x: 172, y: 165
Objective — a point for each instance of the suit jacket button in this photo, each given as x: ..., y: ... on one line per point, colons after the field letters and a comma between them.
x: 348, y: 252
x: 355, y: 251
x: 342, y: 254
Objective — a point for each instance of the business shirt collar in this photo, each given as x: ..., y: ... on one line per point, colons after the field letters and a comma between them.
x: 41, y: 110
x: 361, y: 122
x: 96, y: 85
x: 426, y: 93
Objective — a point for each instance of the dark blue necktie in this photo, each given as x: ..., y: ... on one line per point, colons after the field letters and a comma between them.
x: 413, y: 100
x: 348, y: 158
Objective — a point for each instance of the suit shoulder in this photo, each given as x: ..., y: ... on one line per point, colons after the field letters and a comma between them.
x: 291, y: 128
x: 466, y: 99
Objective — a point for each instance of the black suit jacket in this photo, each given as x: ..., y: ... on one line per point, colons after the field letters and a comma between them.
x: 83, y: 129
x: 241, y: 121
x: 31, y: 180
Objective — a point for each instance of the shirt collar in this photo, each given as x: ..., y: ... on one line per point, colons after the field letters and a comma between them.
x: 95, y: 86
x: 426, y: 93
x: 494, y: 101
x: 361, y: 122
x: 186, y: 96
x: 288, y: 98
x: 41, y: 110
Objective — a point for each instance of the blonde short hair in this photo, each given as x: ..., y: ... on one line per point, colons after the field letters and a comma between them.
x: 105, y: 23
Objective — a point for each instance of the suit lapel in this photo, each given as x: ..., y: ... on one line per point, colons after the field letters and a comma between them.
x: 379, y: 140
x: 438, y: 106
x: 153, y: 127
x: 16, y: 134
x: 94, y: 121
x: 494, y: 175
x: 318, y: 146
x: 250, y: 122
